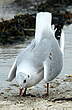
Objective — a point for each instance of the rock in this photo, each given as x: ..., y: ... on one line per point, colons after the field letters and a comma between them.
x: 2, y: 93
x: 51, y: 3
x: 22, y: 26
x: 16, y: 29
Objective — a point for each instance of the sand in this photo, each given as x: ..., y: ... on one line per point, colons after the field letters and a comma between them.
x: 59, y: 88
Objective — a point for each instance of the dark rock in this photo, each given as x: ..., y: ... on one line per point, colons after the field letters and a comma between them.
x: 16, y: 29
x: 50, y: 3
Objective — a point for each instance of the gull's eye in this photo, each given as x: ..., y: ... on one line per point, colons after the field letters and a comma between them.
x: 28, y: 76
x: 24, y: 81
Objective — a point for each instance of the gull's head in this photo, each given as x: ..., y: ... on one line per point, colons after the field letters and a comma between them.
x: 22, y: 79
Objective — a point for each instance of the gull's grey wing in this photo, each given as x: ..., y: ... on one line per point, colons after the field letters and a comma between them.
x: 12, y: 72
x: 53, y: 64
x: 26, y: 52
x: 21, y: 56
x: 36, y: 52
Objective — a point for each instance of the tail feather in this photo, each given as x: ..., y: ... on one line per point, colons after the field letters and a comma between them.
x: 43, y: 22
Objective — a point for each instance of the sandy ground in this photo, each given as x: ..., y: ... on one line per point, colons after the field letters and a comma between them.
x: 59, y: 88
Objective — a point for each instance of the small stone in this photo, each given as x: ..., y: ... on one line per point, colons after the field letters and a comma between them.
x: 5, y: 97
x: 2, y: 93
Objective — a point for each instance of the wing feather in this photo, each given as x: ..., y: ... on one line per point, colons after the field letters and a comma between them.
x: 12, y: 72
x: 53, y: 64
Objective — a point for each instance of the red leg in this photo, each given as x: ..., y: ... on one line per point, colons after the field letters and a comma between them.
x: 47, y: 89
x: 47, y: 94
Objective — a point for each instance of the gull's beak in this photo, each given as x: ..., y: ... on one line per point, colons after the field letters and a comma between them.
x: 21, y: 92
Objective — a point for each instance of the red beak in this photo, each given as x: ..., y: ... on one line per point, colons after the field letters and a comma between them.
x: 21, y: 92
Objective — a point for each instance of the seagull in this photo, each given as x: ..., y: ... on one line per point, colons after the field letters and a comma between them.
x: 42, y: 59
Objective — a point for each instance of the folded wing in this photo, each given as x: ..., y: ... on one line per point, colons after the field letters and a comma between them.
x: 54, y: 63
x: 12, y: 73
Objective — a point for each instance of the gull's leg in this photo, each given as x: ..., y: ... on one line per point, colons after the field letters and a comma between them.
x: 47, y: 92
x: 24, y: 93
x: 47, y: 89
